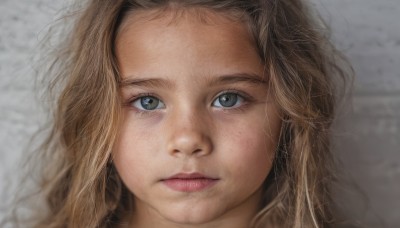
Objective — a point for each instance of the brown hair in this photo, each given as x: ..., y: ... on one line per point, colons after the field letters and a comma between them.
x: 80, y: 183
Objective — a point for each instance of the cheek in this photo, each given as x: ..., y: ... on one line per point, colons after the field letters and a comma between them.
x: 253, y: 154
x: 134, y: 140
x: 250, y: 150
x: 128, y: 163
x: 131, y: 155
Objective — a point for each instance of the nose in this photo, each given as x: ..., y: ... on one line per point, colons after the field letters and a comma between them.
x: 188, y: 135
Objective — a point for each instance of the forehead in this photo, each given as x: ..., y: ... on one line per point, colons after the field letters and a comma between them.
x: 197, y: 37
x: 194, y: 20
x: 176, y: 15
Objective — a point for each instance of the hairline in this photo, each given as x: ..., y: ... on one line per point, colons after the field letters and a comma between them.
x: 176, y: 11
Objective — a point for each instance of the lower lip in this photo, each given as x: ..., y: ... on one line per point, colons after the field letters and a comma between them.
x: 190, y: 185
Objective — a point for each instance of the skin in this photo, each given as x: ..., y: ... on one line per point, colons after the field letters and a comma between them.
x: 181, y: 60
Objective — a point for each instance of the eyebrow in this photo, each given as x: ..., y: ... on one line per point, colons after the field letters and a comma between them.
x: 238, y: 77
x: 219, y: 80
x: 146, y: 82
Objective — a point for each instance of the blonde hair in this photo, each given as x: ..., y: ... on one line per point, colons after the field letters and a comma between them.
x: 81, y: 185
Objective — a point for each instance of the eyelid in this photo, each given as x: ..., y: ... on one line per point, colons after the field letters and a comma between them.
x: 140, y: 95
x: 244, y: 95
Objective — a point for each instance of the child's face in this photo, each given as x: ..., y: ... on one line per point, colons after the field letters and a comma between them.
x: 195, y: 102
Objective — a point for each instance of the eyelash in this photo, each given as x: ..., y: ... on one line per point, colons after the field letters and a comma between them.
x: 246, y: 100
x: 138, y: 96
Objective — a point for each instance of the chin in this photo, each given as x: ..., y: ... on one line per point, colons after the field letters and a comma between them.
x: 192, y: 214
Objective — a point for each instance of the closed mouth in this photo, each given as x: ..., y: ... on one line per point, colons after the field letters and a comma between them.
x: 189, y: 182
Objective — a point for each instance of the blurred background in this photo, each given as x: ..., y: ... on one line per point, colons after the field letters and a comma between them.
x: 367, y: 134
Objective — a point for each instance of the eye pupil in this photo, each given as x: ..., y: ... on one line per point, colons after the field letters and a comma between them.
x: 228, y: 100
x: 149, y: 103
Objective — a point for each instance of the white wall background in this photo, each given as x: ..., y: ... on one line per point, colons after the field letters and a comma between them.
x: 368, y: 142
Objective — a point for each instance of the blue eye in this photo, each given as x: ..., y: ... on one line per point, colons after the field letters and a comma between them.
x: 228, y: 100
x: 148, y: 103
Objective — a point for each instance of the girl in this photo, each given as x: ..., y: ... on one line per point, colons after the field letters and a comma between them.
x: 196, y: 113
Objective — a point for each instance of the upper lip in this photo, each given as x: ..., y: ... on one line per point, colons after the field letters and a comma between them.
x: 189, y: 176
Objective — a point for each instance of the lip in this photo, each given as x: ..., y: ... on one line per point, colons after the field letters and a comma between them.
x: 189, y: 182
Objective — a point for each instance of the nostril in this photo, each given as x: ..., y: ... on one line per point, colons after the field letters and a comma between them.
x: 197, y: 151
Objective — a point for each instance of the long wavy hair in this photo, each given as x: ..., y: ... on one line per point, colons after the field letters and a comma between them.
x: 79, y: 181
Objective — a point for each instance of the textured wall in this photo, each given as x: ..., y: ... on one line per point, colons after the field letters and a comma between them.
x: 369, y: 140
x: 368, y: 135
